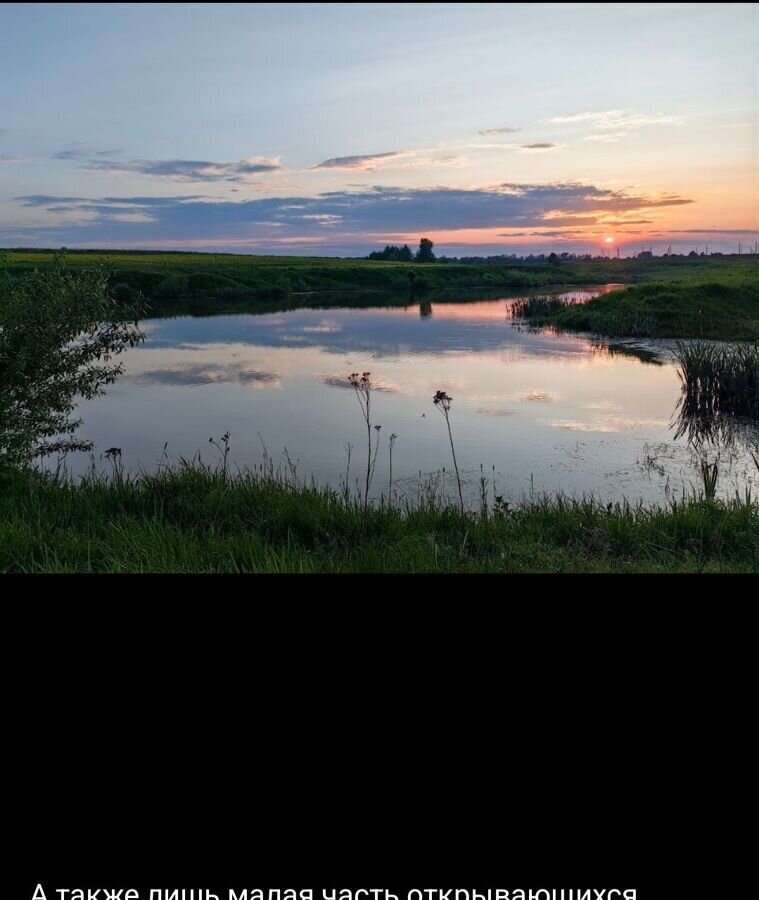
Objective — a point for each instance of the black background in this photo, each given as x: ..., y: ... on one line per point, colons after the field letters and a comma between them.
x: 471, y: 737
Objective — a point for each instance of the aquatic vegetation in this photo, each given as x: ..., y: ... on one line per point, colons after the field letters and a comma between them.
x: 719, y: 378
x: 539, y: 310
x: 709, y: 476
x: 715, y: 311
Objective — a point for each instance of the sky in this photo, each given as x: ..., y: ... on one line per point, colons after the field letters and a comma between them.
x: 335, y: 129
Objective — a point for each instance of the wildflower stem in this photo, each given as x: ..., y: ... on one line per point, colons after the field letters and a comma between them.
x: 362, y: 386
x: 369, y: 452
x: 455, y: 464
x: 443, y: 402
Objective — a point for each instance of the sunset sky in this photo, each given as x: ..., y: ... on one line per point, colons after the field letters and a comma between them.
x: 334, y: 129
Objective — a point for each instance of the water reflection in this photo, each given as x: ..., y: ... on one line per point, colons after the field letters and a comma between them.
x: 717, y: 407
x: 380, y: 331
x: 543, y: 412
x: 708, y: 430
x: 211, y: 373
x: 643, y: 354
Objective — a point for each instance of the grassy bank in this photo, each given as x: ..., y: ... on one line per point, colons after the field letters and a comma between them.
x: 168, y: 277
x: 715, y: 311
x: 195, y: 520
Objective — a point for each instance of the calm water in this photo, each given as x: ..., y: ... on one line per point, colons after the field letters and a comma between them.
x: 540, y: 412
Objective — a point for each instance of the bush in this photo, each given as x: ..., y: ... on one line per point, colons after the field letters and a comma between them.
x: 59, y: 333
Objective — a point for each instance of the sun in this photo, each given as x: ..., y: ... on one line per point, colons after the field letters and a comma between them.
x: 608, y: 240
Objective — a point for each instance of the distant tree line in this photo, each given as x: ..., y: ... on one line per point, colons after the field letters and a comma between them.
x: 425, y: 254
x: 404, y: 254
x: 394, y: 254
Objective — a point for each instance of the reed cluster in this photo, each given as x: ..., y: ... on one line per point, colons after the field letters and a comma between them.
x: 719, y: 379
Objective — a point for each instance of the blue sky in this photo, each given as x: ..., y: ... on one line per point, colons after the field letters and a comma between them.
x: 336, y: 128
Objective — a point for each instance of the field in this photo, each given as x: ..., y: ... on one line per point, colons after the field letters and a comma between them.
x: 167, y: 277
x: 196, y: 520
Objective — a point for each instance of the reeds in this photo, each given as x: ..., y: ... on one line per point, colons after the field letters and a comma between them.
x: 709, y: 476
x: 539, y: 309
x: 719, y: 378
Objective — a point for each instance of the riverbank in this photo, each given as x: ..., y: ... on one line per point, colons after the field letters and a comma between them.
x: 164, y: 277
x: 196, y: 520
x: 712, y: 311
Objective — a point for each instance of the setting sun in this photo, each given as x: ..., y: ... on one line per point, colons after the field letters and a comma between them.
x: 608, y: 240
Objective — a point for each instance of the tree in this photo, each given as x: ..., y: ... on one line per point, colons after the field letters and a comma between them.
x: 425, y: 254
x: 59, y: 333
x: 395, y: 254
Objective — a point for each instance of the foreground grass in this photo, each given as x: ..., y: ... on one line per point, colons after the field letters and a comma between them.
x: 716, y: 311
x: 195, y: 520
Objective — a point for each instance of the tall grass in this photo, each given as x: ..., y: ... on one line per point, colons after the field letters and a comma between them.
x: 194, y: 518
x: 719, y: 378
x: 709, y: 477
x: 539, y: 310
x: 715, y: 311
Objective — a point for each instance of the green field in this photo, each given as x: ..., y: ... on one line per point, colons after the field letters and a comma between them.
x: 165, y: 278
x: 169, y: 276
x: 196, y: 520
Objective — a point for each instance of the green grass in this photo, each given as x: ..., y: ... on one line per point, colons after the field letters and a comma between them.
x: 731, y: 269
x: 719, y: 379
x: 712, y: 310
x: 167, y: 278
x: 170, y: 276
x: 193, y: 519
